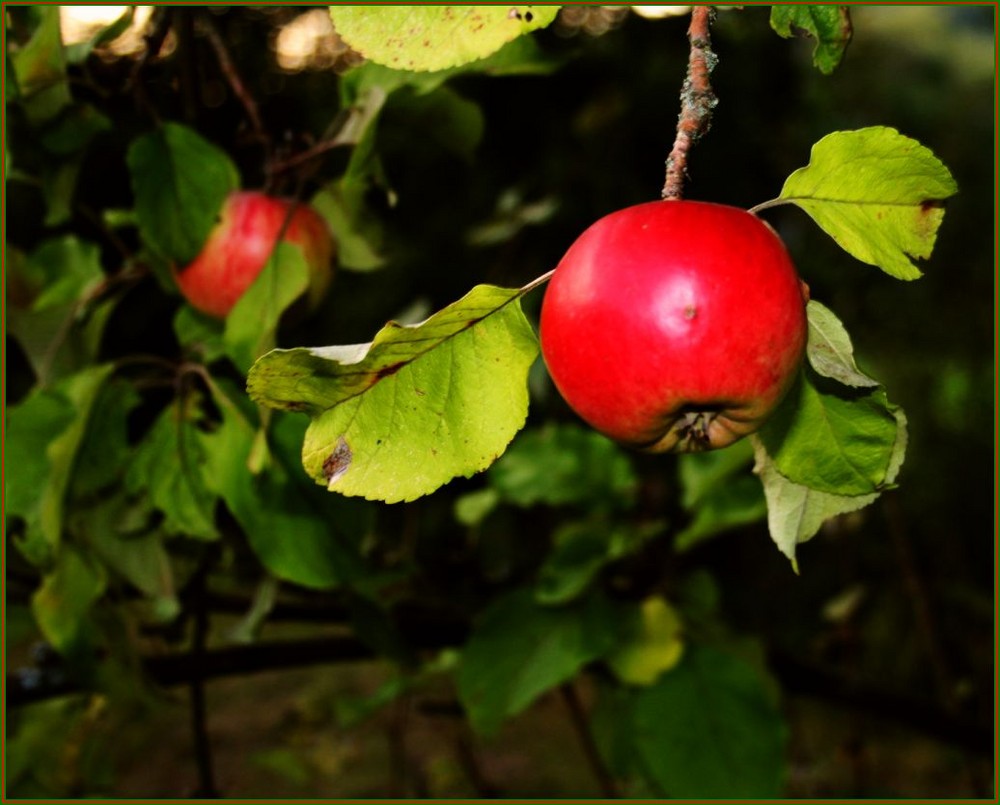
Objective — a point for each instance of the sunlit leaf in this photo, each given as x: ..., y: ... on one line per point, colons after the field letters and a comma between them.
x: 829, y: 25
x: 877, y: 193
x: 397, y: 418
x: 180, y: 181
x: 434, y: 37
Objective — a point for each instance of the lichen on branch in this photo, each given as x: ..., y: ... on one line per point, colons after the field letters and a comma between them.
x: 697, y: 100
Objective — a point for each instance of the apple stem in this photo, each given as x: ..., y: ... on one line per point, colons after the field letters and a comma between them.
x: 697, y: 100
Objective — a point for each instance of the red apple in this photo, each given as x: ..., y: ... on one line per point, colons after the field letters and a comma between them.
x: 240, y: 244
x: 675, y: 326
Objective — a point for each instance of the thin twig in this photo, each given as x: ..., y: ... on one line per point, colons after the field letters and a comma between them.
x: 607, y: 783
x: 235, y: 82
x: 697, y: 101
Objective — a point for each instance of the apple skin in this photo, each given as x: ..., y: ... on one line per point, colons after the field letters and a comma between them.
x: 239, y: 245
x: 675, y: 326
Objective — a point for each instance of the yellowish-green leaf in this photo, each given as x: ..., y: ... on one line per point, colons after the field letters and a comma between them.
x: 435, y: 37
x: 656, y: 647
x: 395, y: 419
x: 877, y: 193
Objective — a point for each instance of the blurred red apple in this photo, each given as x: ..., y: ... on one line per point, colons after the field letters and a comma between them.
x: 675, y: 326
x: 240, y: 244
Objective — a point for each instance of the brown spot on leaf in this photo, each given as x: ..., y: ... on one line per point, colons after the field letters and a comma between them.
x: 338, y: 462
x: 391, y: 369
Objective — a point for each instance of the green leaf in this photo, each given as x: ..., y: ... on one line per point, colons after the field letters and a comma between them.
x: 564, y: 464
x: 795, y: 512
x: 397, y: 418
x: 72, y: 132
x: 122, y: 534
x: 832, y: 440
x: 358, y: 236
x: 829, y: 348
x: 709, y: 729
x: 200, y: 334
x: 105, y: 451
x: 47, y: 314
x: 180, y: 181
x: 425, y: 38
x: 654, y: 646
x: 252, y: 324
x: 31, y: 426
x: 168, y: 463
x: 40, y: 68
x: 520, y: 650
x: 63, y: 601
x: 295, y: 536
x: 49, y: 456
x: 581, y: 549
x: 877, y: 193
x: 442, y: 117
x: 579, y: 553
x: 829, y: 25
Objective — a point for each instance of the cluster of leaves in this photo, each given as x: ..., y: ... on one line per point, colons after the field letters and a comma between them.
x: 128, y: 476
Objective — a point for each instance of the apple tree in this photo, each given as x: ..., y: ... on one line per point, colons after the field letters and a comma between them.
x: 275, y: 357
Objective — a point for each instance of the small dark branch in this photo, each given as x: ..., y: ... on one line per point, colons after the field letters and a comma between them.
x: 697, y: 101
x: 468, y: 758
x: 311, y: 153
x: 28, y: 685
x: 187, y: 63
x: 577, y: 714
x: 235, y: 82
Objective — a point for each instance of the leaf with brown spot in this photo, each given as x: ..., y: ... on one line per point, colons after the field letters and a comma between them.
x: 878, y: 194
x: 395, y: 419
